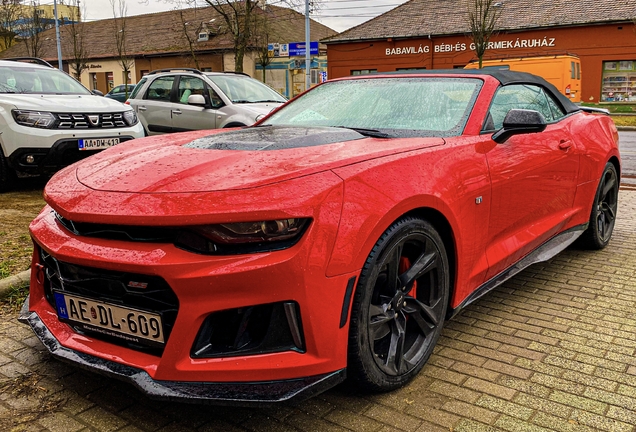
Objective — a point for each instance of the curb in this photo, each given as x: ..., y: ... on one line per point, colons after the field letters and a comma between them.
x: 19, y: 280
x: 626, y: 128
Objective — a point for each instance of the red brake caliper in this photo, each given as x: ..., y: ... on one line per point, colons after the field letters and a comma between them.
x: 405, y: 264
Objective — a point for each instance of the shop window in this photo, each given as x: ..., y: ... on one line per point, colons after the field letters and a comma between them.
x: 364, y: 71
x: 110, y: 80
x: 207, y: 69
x: 93, y: 81
x: 144, y: 73
x: 619, y: 81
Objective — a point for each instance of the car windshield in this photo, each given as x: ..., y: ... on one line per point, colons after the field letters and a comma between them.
x: 394, y: 106
x: 243, y: 89
x: 21, y: 79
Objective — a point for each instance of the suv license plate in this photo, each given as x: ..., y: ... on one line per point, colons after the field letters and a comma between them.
x: 122, y: 322
x: 97, y: 143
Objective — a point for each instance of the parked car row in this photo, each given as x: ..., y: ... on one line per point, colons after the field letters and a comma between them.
x: 50, y: 120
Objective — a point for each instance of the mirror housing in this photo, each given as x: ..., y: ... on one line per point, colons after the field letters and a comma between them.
x: 520, y: 121
x: 97, y: 93
x: 196, y: 99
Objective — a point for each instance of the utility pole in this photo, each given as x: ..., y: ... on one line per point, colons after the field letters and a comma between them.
x: 57, y: 37
x: 307, y: 48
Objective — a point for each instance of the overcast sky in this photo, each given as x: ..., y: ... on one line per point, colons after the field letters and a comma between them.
x: 337, y: 14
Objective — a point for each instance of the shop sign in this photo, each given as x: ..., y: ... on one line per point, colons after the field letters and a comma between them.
x: 298, y: 48
x: 461, y: 47
x: 277, y: 50
x: 94, y: 66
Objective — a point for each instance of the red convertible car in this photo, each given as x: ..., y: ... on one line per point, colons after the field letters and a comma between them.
x: 330, y: 240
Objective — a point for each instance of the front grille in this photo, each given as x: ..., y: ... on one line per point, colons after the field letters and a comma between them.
x: 112, y: 287
x: 119, y: 232
x: 90, y: 121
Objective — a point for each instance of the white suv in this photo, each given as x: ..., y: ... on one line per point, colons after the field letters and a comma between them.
x: 48, y: 120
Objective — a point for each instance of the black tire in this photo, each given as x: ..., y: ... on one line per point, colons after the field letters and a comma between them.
x: 395, y: 325
x: 7, y: 176
x: 603, y: 215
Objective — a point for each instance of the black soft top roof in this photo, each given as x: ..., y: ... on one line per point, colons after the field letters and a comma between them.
x: 505, y: 77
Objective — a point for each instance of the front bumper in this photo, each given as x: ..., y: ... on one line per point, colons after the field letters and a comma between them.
x: 219, y: 393
x: 62, y: 153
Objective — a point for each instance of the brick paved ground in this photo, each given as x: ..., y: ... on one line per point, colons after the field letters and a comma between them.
x: 552, y: 349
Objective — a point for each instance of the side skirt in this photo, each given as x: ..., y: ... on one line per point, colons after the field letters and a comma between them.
x: 543, y: 253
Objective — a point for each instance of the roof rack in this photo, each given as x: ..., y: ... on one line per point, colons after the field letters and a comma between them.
x: 156, y: 71
x: 230, y: 72
x: 30, y: 59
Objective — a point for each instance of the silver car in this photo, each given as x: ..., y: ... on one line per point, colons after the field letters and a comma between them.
x: 178, y: 100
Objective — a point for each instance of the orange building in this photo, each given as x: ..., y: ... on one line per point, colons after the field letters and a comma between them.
x: 434, y: 34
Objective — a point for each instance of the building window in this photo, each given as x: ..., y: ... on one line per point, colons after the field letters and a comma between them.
x: 410, y: 69
x: 619, y: 81
x: 93, y: 80
x: 144, y: 73
x: 110, y: 80
x: 208, y: 69
x: 364, y: 71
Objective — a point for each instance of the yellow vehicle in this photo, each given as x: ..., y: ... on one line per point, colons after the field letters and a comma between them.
x: 563, y: 71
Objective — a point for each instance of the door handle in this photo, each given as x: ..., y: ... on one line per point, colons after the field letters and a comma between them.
x: 176, y: 112
x: 142, y: 108
x: 565, y: 144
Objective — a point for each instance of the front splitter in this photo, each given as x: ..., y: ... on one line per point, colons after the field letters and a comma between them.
x: 261, y: 393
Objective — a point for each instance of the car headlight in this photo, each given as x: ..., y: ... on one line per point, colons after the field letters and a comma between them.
x: 130, y: 117
x: 38, y: 119
x: 242, y: 237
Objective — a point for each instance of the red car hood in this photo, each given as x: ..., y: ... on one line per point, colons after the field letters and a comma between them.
x: 170, y: 164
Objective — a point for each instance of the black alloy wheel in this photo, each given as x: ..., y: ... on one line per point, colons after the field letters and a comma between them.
x: 399, y: 306
x: 604, y: 209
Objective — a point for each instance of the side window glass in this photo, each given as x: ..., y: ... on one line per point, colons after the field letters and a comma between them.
x: 189, y: 86
x: 518, y: 96
x: 215, y: 99
x: 160, y: 88
x: 557, y: 111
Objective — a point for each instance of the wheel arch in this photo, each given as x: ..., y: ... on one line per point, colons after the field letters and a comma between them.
x: 234, y: 124
x: 444, y: 228
x: 614, y: 161
x: 442, y: 225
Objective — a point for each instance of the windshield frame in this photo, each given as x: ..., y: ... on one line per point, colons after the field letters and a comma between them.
x: 277, y: 118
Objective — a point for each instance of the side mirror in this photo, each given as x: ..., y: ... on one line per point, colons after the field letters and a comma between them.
x: 196, y: 99
x: 97, y: 93
x: 520, y: 121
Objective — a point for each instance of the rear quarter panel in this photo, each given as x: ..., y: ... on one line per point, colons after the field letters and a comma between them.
x: 596, y: 138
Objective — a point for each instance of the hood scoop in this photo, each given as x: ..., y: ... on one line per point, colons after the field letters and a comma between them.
x: 274, y: 138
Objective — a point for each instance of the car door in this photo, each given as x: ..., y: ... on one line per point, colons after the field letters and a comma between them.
x: 533, y: 177
x: 155, y: 108
x: 187, y: 117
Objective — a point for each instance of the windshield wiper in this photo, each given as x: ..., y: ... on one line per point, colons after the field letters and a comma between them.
x: 268, y: 100
x: 373, y: 133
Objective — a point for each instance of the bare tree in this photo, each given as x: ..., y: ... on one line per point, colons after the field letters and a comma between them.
x: 482, y: 19
x: 260, y: 40
x: 74, y: 30
x: 9, y: 14
x: 124, y: 59
x: 186, y: 28
x: 30, y: 27
x: 238, y: 21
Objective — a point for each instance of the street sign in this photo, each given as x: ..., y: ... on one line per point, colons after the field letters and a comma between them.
x: 299, y: 49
